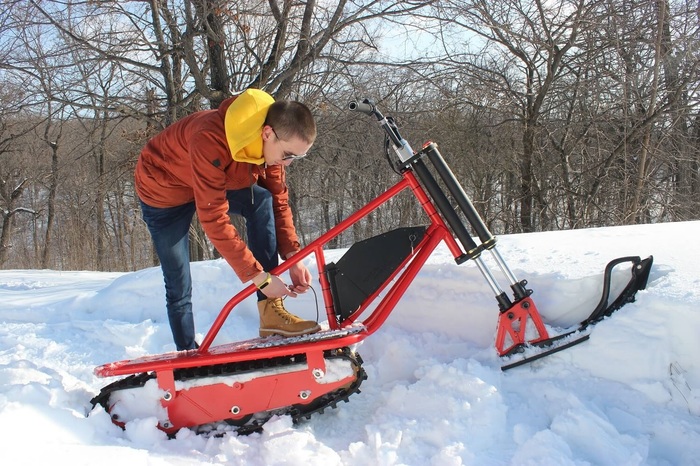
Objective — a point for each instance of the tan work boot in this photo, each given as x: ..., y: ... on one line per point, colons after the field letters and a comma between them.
x: 276, y: 320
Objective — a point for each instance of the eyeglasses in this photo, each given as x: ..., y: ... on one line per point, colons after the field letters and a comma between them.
x: 293, y: 156
x: 287, y: 155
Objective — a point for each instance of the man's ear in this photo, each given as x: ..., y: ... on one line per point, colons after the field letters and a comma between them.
x: 266, y: 132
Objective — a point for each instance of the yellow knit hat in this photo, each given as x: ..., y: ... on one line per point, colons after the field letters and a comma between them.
x: 243, y: 124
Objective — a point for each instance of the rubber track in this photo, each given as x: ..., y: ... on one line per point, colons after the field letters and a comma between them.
x: 297, y: 412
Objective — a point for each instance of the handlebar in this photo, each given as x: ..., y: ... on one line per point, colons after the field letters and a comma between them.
x: 366, y: 107
x: 401, y: 147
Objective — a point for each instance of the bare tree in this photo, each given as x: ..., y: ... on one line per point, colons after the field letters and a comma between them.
x: 155, y: 61
x: 522, y: 52
x: 554, y: 115
x: 594, y: 87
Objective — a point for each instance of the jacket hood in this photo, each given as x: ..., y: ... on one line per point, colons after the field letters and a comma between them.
x: 243, y: 124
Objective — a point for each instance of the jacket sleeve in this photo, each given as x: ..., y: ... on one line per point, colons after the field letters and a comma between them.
x: 275, y: 182
x: 208, y: 155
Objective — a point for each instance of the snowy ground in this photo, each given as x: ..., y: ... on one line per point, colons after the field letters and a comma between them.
x: 435, y: 393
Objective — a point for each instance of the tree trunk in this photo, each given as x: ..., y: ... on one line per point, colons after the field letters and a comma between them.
x: 50, y: 206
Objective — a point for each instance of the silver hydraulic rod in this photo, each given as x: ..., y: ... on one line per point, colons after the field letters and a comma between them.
x: 493, y: 283
x: 519, y: 287
x: 503, y: 266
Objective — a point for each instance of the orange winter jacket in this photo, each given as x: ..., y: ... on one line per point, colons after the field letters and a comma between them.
x: 200, y: 157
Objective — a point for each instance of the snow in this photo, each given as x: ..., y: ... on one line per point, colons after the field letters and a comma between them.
x: 435, y: 394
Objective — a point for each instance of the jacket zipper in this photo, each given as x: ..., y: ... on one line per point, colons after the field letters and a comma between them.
x: 252, y: 181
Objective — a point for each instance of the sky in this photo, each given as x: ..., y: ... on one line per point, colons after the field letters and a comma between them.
x: 435, y: 392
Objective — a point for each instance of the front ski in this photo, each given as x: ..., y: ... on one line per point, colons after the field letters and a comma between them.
x: 510, y: 325
x: 551, y: 349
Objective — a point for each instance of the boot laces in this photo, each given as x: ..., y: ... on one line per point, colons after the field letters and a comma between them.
x: 278, y: 307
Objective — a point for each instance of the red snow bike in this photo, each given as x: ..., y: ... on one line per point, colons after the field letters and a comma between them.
x: 245, y: 383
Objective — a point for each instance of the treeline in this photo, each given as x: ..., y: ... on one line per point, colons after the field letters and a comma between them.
x: 553, y: 115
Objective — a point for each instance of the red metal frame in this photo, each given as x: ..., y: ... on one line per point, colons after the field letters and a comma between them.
x: 270, y: 391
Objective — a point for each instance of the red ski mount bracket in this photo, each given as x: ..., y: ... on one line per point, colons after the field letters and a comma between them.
x: 519, y: 325
x: 244, y: 383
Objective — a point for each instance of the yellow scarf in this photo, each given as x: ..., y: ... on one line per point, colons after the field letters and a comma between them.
x: 243, y: 124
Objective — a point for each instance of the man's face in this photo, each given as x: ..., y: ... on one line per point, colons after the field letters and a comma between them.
x: 282, y: 151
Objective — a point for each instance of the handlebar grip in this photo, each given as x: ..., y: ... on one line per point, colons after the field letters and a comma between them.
x: 365, y: 107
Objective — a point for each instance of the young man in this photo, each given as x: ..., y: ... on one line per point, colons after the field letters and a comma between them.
x: 220, y: 162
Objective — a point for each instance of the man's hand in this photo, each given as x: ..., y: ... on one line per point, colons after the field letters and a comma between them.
x: 276, y: 288
x: 301, y: 277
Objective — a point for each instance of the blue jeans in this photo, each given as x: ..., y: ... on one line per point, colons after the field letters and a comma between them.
x: 169, y: 228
